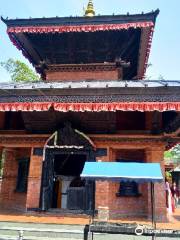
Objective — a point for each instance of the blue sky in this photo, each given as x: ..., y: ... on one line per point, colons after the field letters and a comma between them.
x: 165, y: 52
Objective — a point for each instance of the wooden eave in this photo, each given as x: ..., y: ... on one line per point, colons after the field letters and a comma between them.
x: 101, y: 19
x: 19, y: 30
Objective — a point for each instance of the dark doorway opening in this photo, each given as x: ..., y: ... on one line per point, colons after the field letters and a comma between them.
x: 66, y: 152
x: 69, y: 164
x: 69, y: 190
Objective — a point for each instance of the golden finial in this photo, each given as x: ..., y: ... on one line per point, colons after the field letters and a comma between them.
x: 90, y: 9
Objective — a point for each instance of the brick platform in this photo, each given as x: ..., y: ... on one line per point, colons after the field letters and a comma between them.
x: 34, y: 217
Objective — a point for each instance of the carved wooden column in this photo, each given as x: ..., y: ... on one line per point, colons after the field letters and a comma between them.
x: 156, y: 122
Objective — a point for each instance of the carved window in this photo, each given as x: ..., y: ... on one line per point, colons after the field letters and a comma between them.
x: 22, y: 178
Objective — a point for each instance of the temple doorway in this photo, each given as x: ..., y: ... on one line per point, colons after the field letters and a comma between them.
x: 68, y: 188
x: 65, y: 154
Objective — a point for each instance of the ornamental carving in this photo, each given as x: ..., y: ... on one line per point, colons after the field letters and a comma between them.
x: 22, y: 140
x: 79, y: 98
x: 81, y: 67
x: 91, y: 107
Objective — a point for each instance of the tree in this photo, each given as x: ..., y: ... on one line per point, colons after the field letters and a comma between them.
x: 19, y: 71
x: 173, y: 154
x: 148, y: 77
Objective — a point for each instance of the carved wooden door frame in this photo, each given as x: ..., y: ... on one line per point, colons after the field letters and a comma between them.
x: 48, y: 176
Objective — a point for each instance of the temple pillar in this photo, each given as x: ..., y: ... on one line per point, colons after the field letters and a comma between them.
x: 9, y: 177
x: 102, y: 193
x: 34, y: 181
x: 156, y: 155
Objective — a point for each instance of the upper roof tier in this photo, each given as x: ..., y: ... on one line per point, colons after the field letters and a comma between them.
x: 83, y: 40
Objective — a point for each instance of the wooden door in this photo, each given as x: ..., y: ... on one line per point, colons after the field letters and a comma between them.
x: 47, y: 182
x: 81, y: 198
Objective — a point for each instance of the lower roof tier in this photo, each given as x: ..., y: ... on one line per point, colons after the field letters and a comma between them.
x: 91, y: 96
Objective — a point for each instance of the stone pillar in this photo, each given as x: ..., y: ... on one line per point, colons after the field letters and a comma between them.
x: 156, y: 155
x: 34, y: 181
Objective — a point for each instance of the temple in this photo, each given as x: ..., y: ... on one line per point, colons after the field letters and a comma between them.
x: 92, y: 105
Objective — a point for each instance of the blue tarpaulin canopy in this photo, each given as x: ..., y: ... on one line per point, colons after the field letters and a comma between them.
x: 119, y: 171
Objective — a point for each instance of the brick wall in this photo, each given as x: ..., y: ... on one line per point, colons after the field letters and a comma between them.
x: 128, y: 206
x: 115, y: 207
x: 102, y: 188
x: 79, y: 76
x: 9, y: 197
x: 106, y: 200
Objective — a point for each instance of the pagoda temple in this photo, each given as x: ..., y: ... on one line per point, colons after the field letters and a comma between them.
x: 92, y: 105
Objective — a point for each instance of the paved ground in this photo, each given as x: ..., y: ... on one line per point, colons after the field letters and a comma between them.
x: 32, y: 217
x: 104, y: 237
x: 36, y: 231
x: 32, y: 220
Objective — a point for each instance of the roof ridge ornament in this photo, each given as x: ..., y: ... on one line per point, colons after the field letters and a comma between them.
x: 89, y: 12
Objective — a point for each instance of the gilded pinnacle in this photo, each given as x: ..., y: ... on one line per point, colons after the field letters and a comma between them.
x: 90, y: 9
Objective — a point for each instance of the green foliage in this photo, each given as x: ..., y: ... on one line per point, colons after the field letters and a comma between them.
x: 176, y: 152
x: 173, y: 154
x: 168, y: 175
x: 19, y: 71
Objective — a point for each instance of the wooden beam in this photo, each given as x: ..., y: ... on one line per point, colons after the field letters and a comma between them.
x: 15, y: 140
x: 51, y: 48
x: 142, y: 50
x: 116, y: 141
x: 71, y: 47
x: 28, y: 45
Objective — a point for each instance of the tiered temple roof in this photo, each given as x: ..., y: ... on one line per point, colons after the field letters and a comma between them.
x: 85, y: 40
x: 91, y: 96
